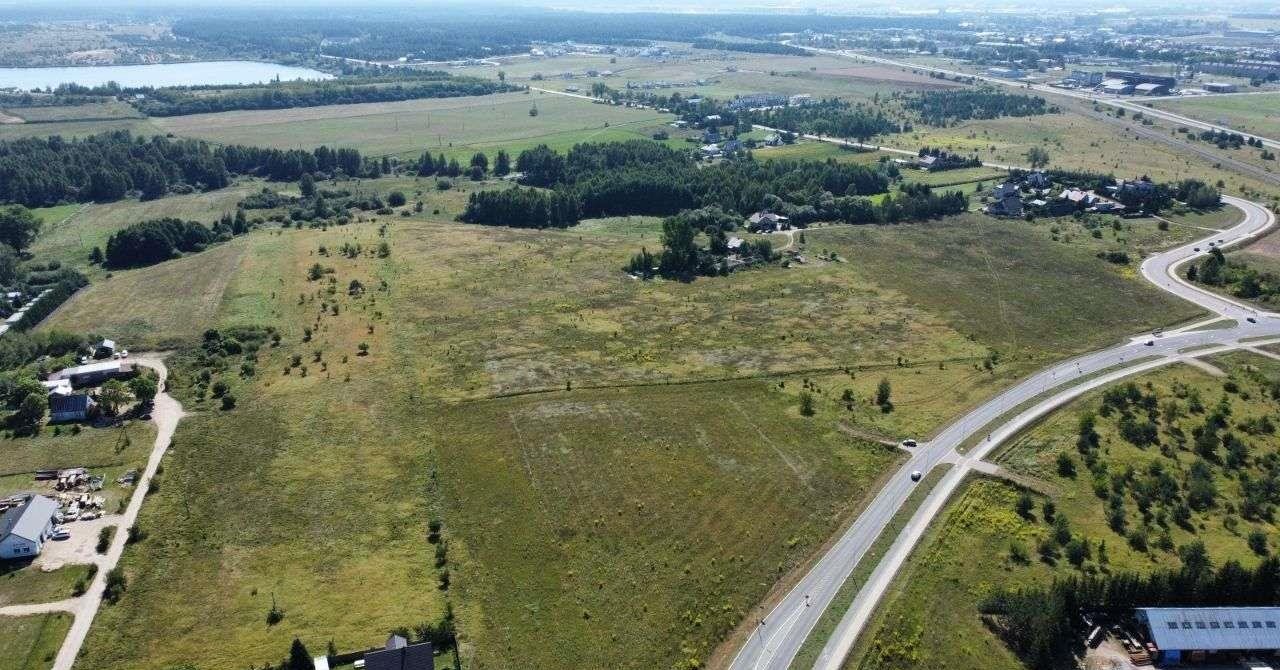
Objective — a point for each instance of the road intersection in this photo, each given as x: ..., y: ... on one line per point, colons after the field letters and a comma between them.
x: 778, y: 637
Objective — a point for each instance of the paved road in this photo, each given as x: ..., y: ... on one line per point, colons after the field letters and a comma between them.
x: 774, y: 643
x: 166, y: 413
x: 1089, y: 96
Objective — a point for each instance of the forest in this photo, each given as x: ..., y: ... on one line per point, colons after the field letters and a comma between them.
x: 157, y: 240
x: 177, y: 102
x: 39, y: 172
x: 750, y: 47
x: 640, y: 177
x: 835, y: 118
x: 944, y: 108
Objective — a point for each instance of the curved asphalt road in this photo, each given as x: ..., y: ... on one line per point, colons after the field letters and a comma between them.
x: 774, y: 643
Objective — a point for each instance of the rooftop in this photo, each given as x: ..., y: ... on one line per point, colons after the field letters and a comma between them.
x: 28, y: 521
x: 1214, y: 628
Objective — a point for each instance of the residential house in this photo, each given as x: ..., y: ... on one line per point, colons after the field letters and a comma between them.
x: 24, y: 529
x: 1004, y: 190
x: 400, y: 655
x: 732, y: 146
x: 764, y: 222
x: 773, y: 140
x: 710, y: 151
x: 70, y: 407
x: 1010, y: 205
x: 799, y: 100
x: 1038, y: 180
x: 1079, y: 199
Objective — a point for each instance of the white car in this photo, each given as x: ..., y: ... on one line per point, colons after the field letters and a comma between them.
x: 60, y: 533
x: 89, y: 515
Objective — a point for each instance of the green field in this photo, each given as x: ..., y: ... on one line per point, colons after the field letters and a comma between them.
x: 31, y: 585
x: 31, y: 643
x: 455, y: 126
x: 930, y: 615
x: 98, y: 111
x: 1259, y: 114
x: 70, y: 232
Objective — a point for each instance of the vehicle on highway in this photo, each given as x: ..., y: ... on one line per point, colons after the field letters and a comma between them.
x: 909, y: 443
x: 1150, y: 343
x: 916, y: 475
x: 1250, y: 319
x: 1196, y: 249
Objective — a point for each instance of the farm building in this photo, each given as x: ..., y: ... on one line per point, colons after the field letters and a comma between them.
x: 24, y: 529
x: 1151, y: 89
x: 1191, y: 632
x: 1219, y: 87
x: 72, y: 407
x: 400, y: 655
x: 92, y: 373
x: 764, y: 222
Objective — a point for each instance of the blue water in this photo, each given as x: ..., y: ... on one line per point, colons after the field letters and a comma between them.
x: 167, y: 74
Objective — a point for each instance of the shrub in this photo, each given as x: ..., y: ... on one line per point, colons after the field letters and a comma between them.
x: 104, y: 538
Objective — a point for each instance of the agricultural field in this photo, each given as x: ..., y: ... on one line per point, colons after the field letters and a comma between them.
x: 70, y: 129
x: 727, y: 74
x: 980, y: 541
x: 31, y: 642
x: 1258, y: 114
x: 456, y: 126
x: 99, y: 111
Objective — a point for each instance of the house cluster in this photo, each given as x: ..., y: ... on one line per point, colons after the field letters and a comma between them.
x: 1035, y: 193
x: 769, y: 101
x: 663, y: 84
x: 767, y: 222
x: 66, y: 403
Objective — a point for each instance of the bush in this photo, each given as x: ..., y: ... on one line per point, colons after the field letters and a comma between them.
x: 104, y: 538
x: 396, y: 199
x: 228, y: 402
x: 115, y: 585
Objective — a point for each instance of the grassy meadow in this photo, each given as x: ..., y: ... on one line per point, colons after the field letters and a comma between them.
x: 930, y: 615
x: 524, y: 391
x: 31, y: 642
x: 1258, y: 114
x: 455, y: 126
x: 31, y: 585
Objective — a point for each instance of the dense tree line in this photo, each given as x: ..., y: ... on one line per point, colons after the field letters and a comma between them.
x: 1043, y: 624
x: 151, y: 242
x: 835, y: 118
x: 1237, y: 277
x: 943, y: 108
x: 522, y: 208
x: 175, y: 102
x: 750, y: 47
x: 640, y: 177
x: 38, y: 172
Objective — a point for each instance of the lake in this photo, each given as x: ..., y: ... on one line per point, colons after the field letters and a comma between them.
x: 165, y: 74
